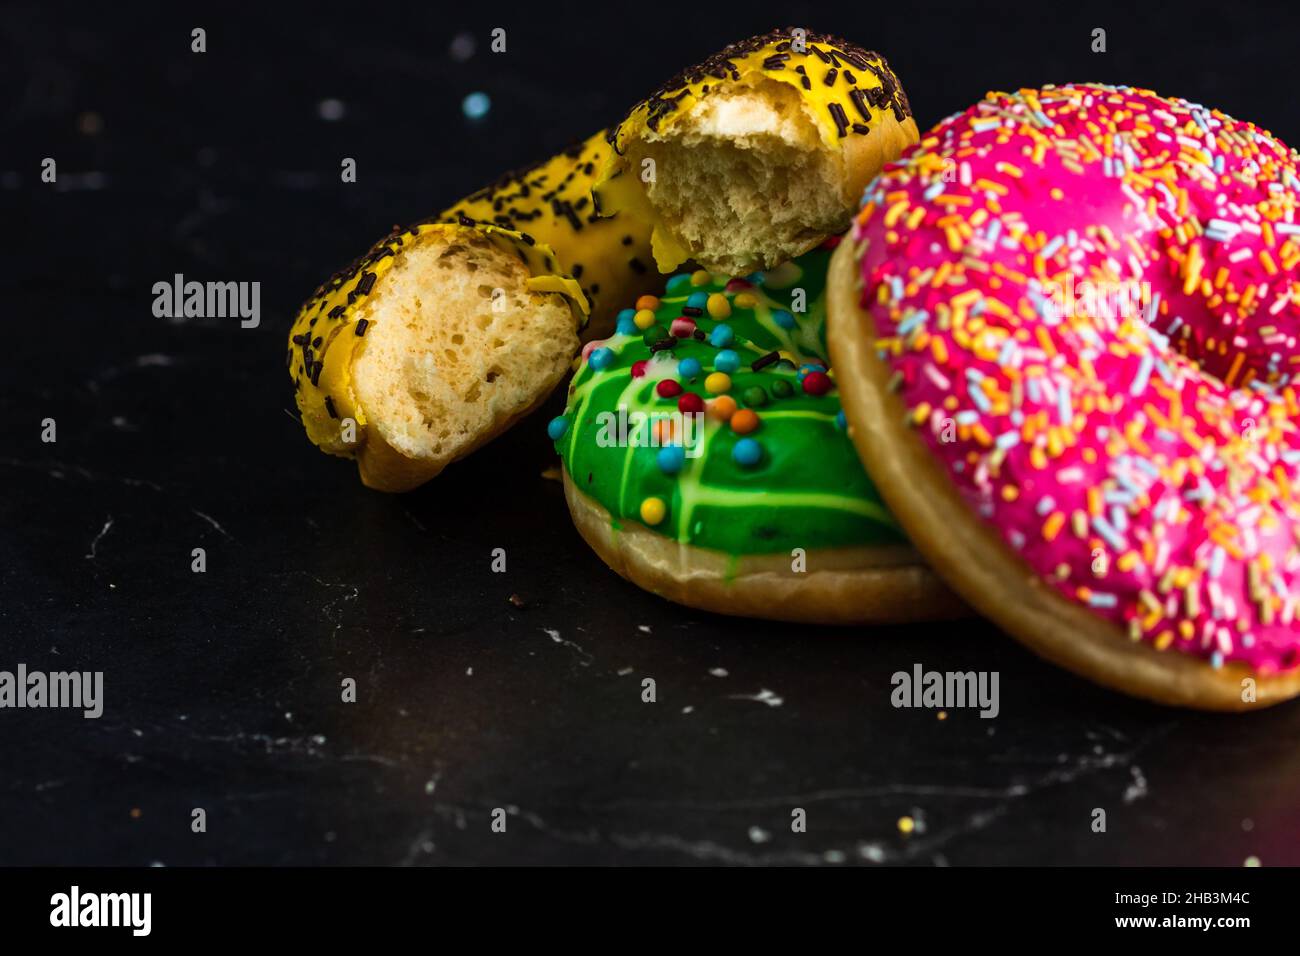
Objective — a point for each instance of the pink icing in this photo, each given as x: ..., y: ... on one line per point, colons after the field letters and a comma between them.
x: 1143, y: 462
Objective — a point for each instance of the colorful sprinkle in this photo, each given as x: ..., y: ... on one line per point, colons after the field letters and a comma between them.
x: 726, y: 361
x: 744, y: 421
x: 653, y: 511
x: 717, y: 383
x: 747, y: 453
x: 670, y: 459
x: 718, y: 307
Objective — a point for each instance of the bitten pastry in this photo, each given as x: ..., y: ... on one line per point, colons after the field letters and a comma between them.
x: 1066, y: 331
x: 757, y: 154
x: 431, y: 344
x: 706, y: 460
x: 445, y: 334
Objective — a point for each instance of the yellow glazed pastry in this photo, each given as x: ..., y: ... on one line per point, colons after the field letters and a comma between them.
x: 411, y: 356
x: 759, y: 153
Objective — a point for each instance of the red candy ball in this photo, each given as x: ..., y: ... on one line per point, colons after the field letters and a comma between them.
x: 668, y: 388
x: 817, y: 383
x: 690, y: 403
x: 638, y: 368
x: 738, y: 285
x: 682, y: 327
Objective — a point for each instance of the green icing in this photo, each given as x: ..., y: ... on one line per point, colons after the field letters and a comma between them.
x: 809, y: 489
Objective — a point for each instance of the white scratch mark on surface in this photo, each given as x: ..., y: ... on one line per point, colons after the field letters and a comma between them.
x: 94, y: 544
x: 764, y: 696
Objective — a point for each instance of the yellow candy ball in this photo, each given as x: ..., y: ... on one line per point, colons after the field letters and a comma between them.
x: 746, y: 300
x: 718, y: 306
x: 653, y: 510
x: 644, y: 319
x: 717, y: 383
x: 700, y: 277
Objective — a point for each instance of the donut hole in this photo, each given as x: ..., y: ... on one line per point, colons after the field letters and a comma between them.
x: 743, y: 181
x: 443, y: 366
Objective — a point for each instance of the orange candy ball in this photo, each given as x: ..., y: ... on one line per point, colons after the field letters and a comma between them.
x: 722, y: 408
x: 744, y: 421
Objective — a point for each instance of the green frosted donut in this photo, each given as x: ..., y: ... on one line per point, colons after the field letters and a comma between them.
x: 717, y: 425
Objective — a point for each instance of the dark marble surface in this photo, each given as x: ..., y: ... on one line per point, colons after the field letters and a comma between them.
x: 223, y: 689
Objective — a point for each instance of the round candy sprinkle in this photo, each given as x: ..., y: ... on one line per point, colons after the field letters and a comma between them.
x: 677, y: 281
x: 638, y: 368
x: 654, y: 334
x: 670, y: 459
x: 840, y: 420
x: 782, y: 389
x: 816, y: 383
x: 627, y: 323
x: 755, y: 396
x: 726, y: 361
x: 783, y: 318
x: 718, y: 306
x: 700, y: 277
x: 746, y: 300
x: 683, y: 327
x: 737, y: 284
x: 756, y: 278
x: 688, y: 368
x: 744, y: 421
x: 721, y: 336
x: 649, y: 302
x: 667, y: 388
x: 697, y: 300
x: 653, y: 510
x: 556, y: 427
x: 690, y: 403
x: 601, y: 359
x: 747, y: 453
x: 644, y: 318
x: 717, y: 383
x: 722, y: 408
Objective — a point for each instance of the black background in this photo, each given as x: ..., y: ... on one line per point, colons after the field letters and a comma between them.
x: 223, y: 689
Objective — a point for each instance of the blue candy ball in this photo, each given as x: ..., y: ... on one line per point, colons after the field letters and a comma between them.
x: 627, y: 323
x: 783, y: 318
x: 747, y: 453
x: 688, y: 368
x: 697, y: 300
x: 556, y: 427
x: 726, y: 361
x: 677, y: 281
x: 671, y: 459
x: 841, y: 420
x: 601, y: 359
x: 722, y: 336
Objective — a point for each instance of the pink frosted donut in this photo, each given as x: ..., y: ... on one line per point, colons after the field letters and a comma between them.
x: 1073, y: 314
